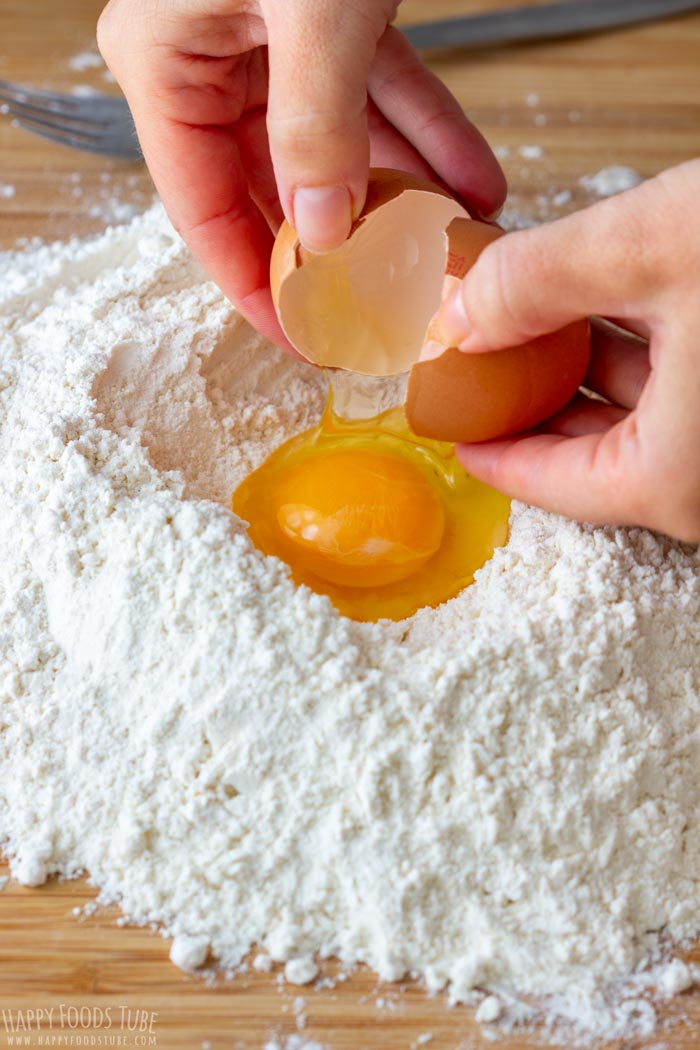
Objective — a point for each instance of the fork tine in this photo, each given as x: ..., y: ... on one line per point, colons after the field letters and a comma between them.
x: 56, y: 117
x: 77, y: 124
x: 96, y: 123
x: 60, y: 102
x: 112, y: 147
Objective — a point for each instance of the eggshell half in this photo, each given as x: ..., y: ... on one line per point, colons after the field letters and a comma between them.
x: 462, y: 397
x: 365, y: 306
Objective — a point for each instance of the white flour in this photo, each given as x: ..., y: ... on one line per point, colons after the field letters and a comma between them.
x: 614, y: 179
x: 500, y: 794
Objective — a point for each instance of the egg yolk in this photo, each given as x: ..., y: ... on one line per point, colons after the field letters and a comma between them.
x: 380, y: 521
x: 359, y: 518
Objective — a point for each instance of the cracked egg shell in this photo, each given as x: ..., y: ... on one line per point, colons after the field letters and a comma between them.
x: 462, y: 397
x: 365, y: 306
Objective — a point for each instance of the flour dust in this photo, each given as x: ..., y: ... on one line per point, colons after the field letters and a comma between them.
x: 499, y: 796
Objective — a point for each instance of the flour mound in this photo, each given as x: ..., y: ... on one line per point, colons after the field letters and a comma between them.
x: 498, y: 794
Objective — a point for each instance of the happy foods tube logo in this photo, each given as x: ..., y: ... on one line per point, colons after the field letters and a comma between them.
x: 79, y: 1026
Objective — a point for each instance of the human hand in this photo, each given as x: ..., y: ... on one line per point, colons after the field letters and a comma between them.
x: 634, y: 259
x: 251, y: 110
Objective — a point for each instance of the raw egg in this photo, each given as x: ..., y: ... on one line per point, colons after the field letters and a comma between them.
x: 361, y: 508
x: 381, y: 522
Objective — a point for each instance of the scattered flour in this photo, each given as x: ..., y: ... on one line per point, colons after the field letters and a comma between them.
x: 498, y: 794
x: 300, y: 1017
x: 189, y: 953
x: 292, y: 1042
x: 30, y: 870
x: 262, y: 963
x: 560, y: 198
x: 113, y: 210
x: 614, y: 179
x: 533, y: 152
x: 676, y: 977
x: 7, y: 190
x: 84, y: 91
x: 300, y: 971
x: 84, y: 60
x: 489, y: 1010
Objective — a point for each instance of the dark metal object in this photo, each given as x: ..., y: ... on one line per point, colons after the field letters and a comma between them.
x: 103, y: 124
x: 538, y: 23
x: 96, y: 123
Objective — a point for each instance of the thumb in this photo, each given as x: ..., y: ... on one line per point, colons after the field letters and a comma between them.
x: 523, y: 285
x: 320, y: 52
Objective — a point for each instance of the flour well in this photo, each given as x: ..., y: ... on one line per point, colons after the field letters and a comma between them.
x: 498, y: 794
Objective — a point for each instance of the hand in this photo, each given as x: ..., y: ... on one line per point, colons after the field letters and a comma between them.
x: 251, y: 110
x: 634, y: 258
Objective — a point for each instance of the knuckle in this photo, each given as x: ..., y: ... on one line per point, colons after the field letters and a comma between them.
x: 373, y: 18
x: 641, y: 230
x: 493, y: 295
x: 324, y: 129
x: 509, y: 262
x: 403, y: 73
x: 106, y: 29
x: 678, y: 249
x: 302, y: 25
x: 618, y: 472
x: 672, y: 507
x: 445, y: 117
x: 481, y: 291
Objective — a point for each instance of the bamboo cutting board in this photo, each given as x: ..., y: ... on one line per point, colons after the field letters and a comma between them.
x: 631, y: 97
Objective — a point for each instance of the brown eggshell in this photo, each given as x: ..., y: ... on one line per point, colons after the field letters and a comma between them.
x: 294, y: 275
x: 385, y: 184
x: 460, y: 397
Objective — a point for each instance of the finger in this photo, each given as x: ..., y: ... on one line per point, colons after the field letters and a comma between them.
x: 586, y: 477
x: 389, y: 149
x: 669, y: 433
x: 583, y: 416
x: 619, y: 367
x: 208, y: 202
x: 596, y: 261
x: 421, y: 107
x: 197, y: 167
x: 319, y: 54
x: 254, y: 149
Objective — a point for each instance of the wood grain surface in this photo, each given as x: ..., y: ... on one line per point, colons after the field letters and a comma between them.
x: 630, y: 97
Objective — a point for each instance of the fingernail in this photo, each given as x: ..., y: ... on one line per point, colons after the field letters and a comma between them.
x: 322, y: 216
x: 431, y: 348
x: 492, y: 215
x: 452, y: 321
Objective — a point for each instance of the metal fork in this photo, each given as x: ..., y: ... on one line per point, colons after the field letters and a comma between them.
x: 97, y: 123
x: 103, y: 124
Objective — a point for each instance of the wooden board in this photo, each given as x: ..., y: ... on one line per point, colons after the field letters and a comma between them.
x: 49, y: 957
x: 630, y: 97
